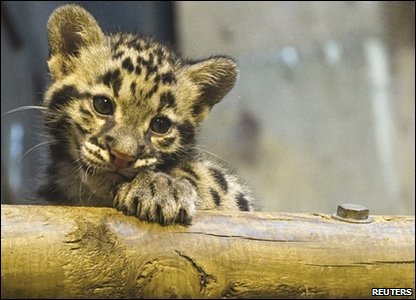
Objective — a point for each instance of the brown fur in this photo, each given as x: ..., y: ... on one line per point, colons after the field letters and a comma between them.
x: 108, y: 96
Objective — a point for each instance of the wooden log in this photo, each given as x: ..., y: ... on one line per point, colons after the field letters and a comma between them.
x: 81, y: 252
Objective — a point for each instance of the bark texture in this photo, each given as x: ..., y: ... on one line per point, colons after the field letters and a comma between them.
x: 82, y: 252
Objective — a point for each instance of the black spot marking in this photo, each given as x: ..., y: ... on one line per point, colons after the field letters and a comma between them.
x: 166, y: 100
x: 168, y: 161
x: 156, y: 79
x: 150, y: 70
x: 64, y: 69
x: 152, y: 188
x: 108, y: 139
x: 159, y: 51
x: 113, y: 79
x: 118, y: 55
x: 138, y: 70
x: 93, y: 140
x: 120, y: 41
x: 197, y: 108
x: 190, y: 171
x: 148, y: 64
x: 215, y: 197
x: 152, y: 92
x: 168, y: 78
x: 175, y: 195
x: 64, y: 96
x: 140, y: 150
x: 220, y: 179
x: 242, y: 203
x: 86, y: 120
x: 192, y: 181
x: 132, y: 43
x: 167, y: 142
x: 116, y: 87
x: 187, y: 133
x: 86, y: 113
x: 150, y: 60
x: 82, y: 129
x: 133, y: 88
x: 138, y: 47
x: 159, y: 54
x: 99, y: 156
x: 128, y: 65
x: 96, y: 154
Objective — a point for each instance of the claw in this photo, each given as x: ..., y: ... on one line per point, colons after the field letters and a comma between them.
x: 183, y: 217
x: 159, y: 215
x: 137, y: 203
x: 157, y: 198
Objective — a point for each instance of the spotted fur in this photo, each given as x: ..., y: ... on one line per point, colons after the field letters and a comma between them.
x: 123, y: 113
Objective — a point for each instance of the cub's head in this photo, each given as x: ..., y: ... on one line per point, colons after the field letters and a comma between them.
x: 121, y: 102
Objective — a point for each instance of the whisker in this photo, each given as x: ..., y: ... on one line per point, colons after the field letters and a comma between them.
x: 36, y: 146
x: 91, y: 194
x: 84, y: 179
x: 208, y: 152
x: 75, y: 172
x: 94, y: 171
x: 23, y: 108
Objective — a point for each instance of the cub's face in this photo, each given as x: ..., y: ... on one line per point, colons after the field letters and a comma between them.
x: 121, y: 103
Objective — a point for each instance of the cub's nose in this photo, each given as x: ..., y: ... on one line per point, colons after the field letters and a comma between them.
x: 121, y: 160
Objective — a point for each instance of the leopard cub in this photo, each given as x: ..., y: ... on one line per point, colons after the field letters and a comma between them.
x: 122, y: 113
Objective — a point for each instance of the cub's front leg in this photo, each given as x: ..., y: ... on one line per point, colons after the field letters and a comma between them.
x: 157, y: 197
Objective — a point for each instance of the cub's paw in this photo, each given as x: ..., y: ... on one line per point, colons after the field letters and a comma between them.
x: 157, y: 197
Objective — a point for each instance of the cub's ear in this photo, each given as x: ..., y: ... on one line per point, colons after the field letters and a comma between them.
x: 70, y: 28
x: 214, y: 78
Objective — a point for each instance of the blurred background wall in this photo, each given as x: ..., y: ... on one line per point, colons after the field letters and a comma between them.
x: 323, y: 112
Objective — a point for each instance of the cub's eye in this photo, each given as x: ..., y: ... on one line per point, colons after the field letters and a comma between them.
x: 103, y: 105
x: 160, y: 125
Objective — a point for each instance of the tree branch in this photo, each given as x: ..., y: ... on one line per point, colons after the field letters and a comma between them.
x: 81, y: 252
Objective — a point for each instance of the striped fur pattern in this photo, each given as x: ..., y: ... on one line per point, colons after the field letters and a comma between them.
x: 123, y: 113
